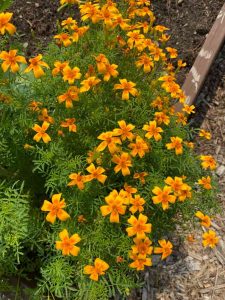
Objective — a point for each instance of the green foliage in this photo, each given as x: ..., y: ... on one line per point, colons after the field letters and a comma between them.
x: 5, y: 4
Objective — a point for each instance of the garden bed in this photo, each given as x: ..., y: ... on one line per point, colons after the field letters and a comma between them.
x: 185, y: 19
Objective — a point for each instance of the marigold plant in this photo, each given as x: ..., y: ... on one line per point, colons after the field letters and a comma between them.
x: 107, y: 168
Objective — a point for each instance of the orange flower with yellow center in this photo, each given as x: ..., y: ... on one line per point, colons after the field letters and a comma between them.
x: 78, y: 180
x: 45, y: 117
x: 208, y: 162
x: 176, y: 184
x: 55, y: 209
x: 139, y: 226
x: 36, y: 65
x: 205, y: 182
x: 128, y: 88
x: 165, y: 248
x: 71, y: 75
x: 141, y: 176
x: 137, y: 204
x: 63, y: 38
x: 98, y: 269
x: 5, y: 25
x: 90, y: 11
x: 184, y: 193
x: 123, y: 162
x: 11, y: 60
x: 89, y: 83
x: 124, y: 131
x: 68, y: 2
x: 101, y: 61
x: 110, y: 70
x: 96, y: 173
x: 70, y: 124
x: 115, y: 206
x: 161, y: 117
x: 163, y: 196
x: 41, y: 134
x: 67, y: 244
x: 146, y: 62
x: 176, y: 143
x: 205, y: 134
x: 135, y: 38
x: 189, y: 109
x: 139, y: 262
x: 205, y: 220
x: 142, y: 247
x: 210, y: 239
x: 109, y: 140
x: 71, y: 95
x: 59, y: 66
x: 172, y: 52
x: 139, y: 147
x: 153, y: 131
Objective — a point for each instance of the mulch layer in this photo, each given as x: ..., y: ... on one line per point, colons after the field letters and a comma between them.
x: 192, y: 273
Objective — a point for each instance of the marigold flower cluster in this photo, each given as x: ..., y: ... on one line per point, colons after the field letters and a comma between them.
x: 105, y: 114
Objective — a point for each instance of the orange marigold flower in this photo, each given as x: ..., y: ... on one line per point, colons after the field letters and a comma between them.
x: 101, y: 61
x: 130, y: 190
x: 176, y: 184
x: 78, y: 180
x: 163, y: 196
x: 67, y: 243
x: 205, y: 182
x: 153, y: 131
x: 140, y: 262
x: 68, y: 22
x: 71, y: 95
x: 210, y: 239
x: 160, y: 28
x: 189, y: 109
x: 59, y: 66
x: 41, y: 134
x: 205, y: 220
x: 70, y: 124
x: 161, y: 117
x: 121, y: 22
x: 98, y: 269
x: 145, y: 61
x: 96, y: 173
x: 205, y: 134
x: 137, y: 204
x: 127, y: 87
x: 45, y: 117
x: 139, y: 226
x: 139, y: 147
x: 119, y: 259
x: 71, y: 75
x: 36, y: 65
x: 181, y: 118
x: 63, y: 38
x: 5, y: 25
x: 124, y: 131
x: 11, y: 60
x: 176, y: 143
x: 123, y: 162
x: 141, y: 176
x: 142, y: 247
x: 208, y: 162
x: 115, y: 206
x: 90, y: 11
x: 181, y: 64
x: 165, y: 248
x: 184, y: 193
x: 110, y: 70
x: 81, y: 219
x: 172, y: 52
x: 89, y: 83
x: 34, y: 105
x: 55, y: 209
x: 109, y: 140
x: 135, y: 38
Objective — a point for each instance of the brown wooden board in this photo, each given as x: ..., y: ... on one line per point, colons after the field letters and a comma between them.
x: 204, y: 60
